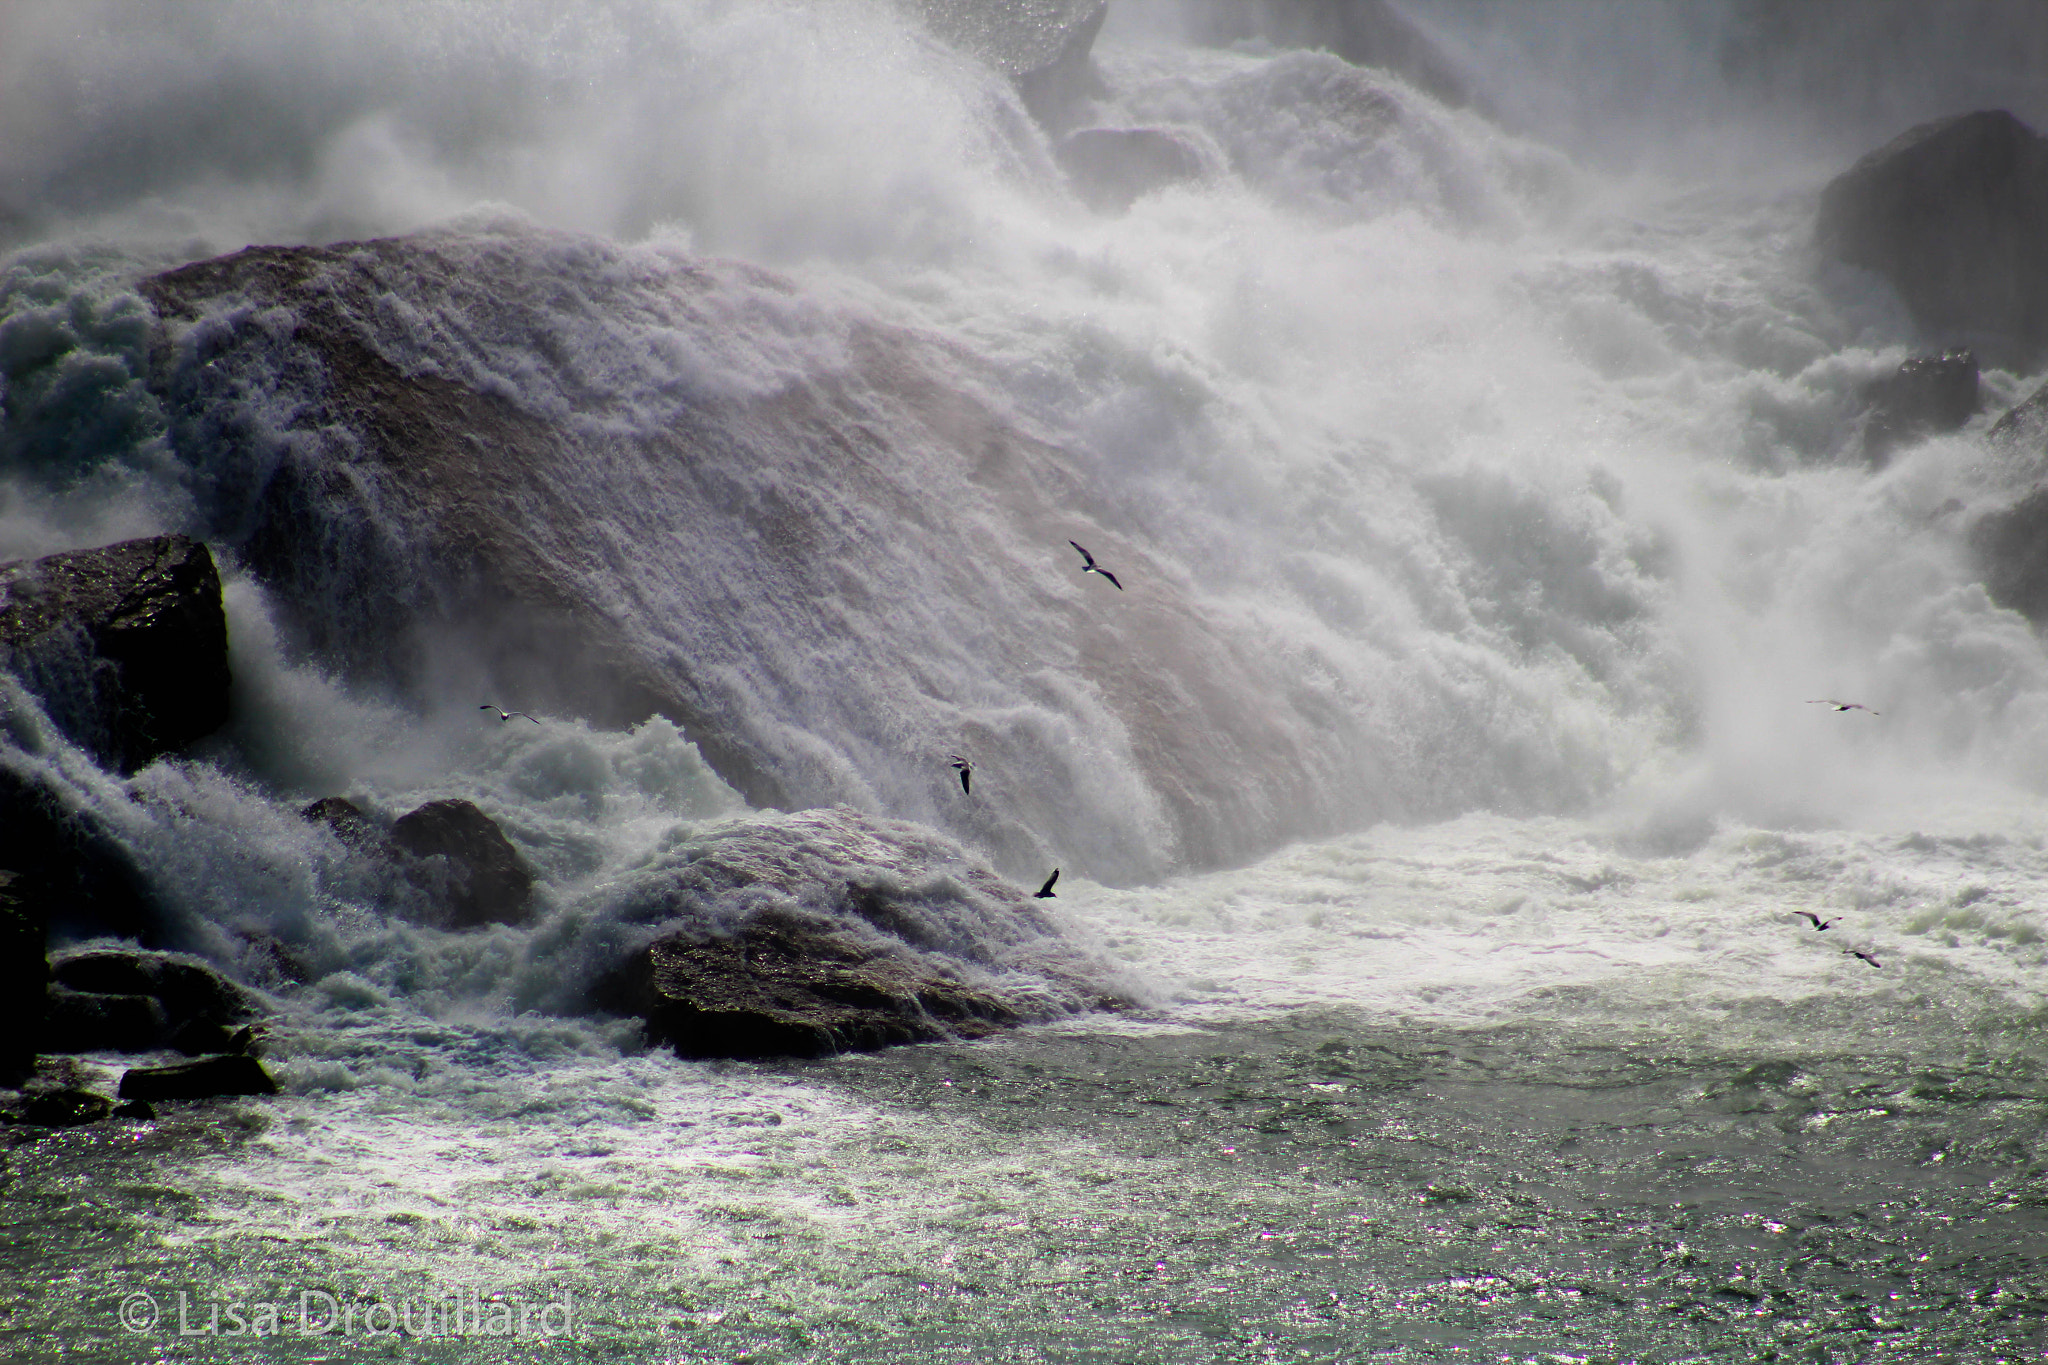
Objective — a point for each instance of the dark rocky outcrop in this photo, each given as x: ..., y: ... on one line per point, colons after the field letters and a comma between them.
x: 24, y: 979
x: 828, y: 931
x: 2024, y: 427
x: 125, y: 645
x: 1362, y: 32
x: 2011, y: 546
x: 61, y: 1108
x: 783, y: 985
x: 459, y: 868
x: 1110, y: 168
x: 197, y: 1080
x: 465, y: 863
x: 68, y: 865
x: 128, y: 1000
x: 1928, y: 395
x: 1953, y: 214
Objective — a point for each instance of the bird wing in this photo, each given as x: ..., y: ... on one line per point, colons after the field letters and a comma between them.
x: 1111, y: 577
x: 966, y: 777
x: 1808, y: 914
x: 1046, y: 890
x: 522, y: 715
x: 1084, y: 554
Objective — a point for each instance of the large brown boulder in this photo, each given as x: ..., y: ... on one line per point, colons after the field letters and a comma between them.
x: 832, y: 931
x: 464, y: 862
x: 125, y: 645
x: 783, y: 985
x: 1953, y: 214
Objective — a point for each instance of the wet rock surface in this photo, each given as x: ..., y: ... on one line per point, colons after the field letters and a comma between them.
x: 24, y: 979
x: 1111, y: 168
x: 1928, y: 395
x: 784, y: 986
x: 204, y: 1078
x: 125, y: 645
x: 465, y: 863
x: 129, y: 1000
x: 1953, y: 214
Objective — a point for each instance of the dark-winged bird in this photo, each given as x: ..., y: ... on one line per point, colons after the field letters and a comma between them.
x: 504, y: 715
x: 1045, y: 892
x: 1092, y: 567
x: 1857, y: 952
x: 1818, y: 922
x: 966, y: 770
x: 1840, y: 705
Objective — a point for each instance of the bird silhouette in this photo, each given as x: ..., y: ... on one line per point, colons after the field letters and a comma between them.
x: 1092, y: 567
x: 1045, y: 892
x: 1858, y: 952
x: 504, y: 715
x: 966, y: 771
x: 1840, y: 705
x: 1818, y: 922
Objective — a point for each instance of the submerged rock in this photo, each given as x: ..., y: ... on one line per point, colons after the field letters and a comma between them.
x: 1111, y: 168
x: 1928, y: 395
x: 197, y: 1080
x: 1362, y: 32
x: 1953, y: 214
x: 126, y: 645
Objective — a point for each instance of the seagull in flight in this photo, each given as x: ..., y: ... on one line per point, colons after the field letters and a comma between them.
x: 965, y: 769
x: 1840, y: 705
x: 1044, y: 893
x: 1857, y: 952
x: 1092, y: 567
x: 504, y: 715
x: 1818, y: 922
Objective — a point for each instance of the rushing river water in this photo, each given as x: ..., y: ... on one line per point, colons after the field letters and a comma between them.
x: 1508, y: 455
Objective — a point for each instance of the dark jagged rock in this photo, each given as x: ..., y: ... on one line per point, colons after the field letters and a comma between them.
x: 128, y: 1000
x: 1928, y: 395
x: 1112, y: 167
x: 1953, y: 214
x: 24, y: 979
x: 188, y: 989
x: 1362, y: 32
x: 135, y: 1110
x: 347, y: 820
x: 2024, y: 426
x: 197, y: 1080
x: 66, y: 1108
x: 102, y: 1021
x: 79, y: 877
x: 125, y: 645
x: 2011, y: 546
x: 465, y: 863
x: 786, y: 986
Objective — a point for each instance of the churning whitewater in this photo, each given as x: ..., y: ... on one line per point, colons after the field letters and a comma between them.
x: 665, y: 428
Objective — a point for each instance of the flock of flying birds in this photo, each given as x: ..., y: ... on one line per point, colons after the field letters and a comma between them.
x: 1818, y: 922
x: 966, y: 769
x: 1088, y: 565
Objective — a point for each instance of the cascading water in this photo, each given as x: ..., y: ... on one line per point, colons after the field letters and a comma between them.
x: 723, y: 383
